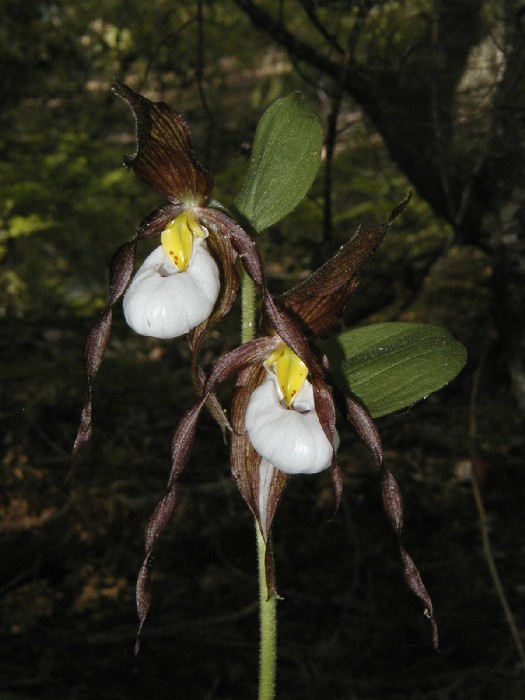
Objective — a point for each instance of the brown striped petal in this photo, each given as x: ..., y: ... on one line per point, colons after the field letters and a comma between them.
x: 223, y: 251
x: 366, y: 429
x: 243, y: 244
x: 164, y: 159
x: 121, y: 270
x: 260, y: 484
x: 319, y: 301
x: 181, y: 446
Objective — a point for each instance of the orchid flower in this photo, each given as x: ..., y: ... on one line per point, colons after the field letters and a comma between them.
x: 178, y: 284
x: 283, y: 411
x: 281, y: 420
x: 187, y: 283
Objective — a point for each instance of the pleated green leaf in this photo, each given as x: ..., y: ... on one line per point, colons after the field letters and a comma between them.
x: 390, y: 366
x: 285, y: 158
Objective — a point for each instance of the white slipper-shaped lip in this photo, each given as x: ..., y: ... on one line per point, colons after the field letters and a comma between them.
x: 164, y: 303
x: 292, y: 441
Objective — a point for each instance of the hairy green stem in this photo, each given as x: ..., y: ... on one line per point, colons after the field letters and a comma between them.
x: 268, y: 623
x: 267, y: 606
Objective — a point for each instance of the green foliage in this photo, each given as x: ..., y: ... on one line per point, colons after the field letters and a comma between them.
x: 284, y: 162
x: 392, y: 31
x: 390, y: 366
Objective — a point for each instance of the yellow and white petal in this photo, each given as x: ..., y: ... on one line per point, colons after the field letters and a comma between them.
x: 291, y: 441
x: 178, y: 237
x: 290, y: 370
x: 164, y: 303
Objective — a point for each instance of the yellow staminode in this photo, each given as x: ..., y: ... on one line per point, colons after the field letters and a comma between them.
x: 290, y: 370
x: 177, y: 239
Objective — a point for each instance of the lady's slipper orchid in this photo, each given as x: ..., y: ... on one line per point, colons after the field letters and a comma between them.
x: 283, y: 412
x: 166, y: 299
x: 189, y: 282
x: 283, y: 426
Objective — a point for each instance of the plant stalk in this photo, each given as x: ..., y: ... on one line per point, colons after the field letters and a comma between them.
x: 268, y: 626
x: 267, y: 603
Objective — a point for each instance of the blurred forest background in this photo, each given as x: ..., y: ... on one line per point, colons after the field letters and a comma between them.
x: 421, y: 94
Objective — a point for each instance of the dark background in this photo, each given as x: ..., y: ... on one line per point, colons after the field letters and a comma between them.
x: 427, y: 95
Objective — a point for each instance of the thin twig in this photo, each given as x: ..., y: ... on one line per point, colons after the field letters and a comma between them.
x: 476, y: 489
x: 201, y: 62
x: 331, y: 138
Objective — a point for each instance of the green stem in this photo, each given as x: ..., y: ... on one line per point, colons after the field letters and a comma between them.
x: 268, y: 622
x: 267, y: 607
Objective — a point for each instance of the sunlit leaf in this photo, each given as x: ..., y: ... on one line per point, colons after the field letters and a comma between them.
x: 26, y: 225
x: 389, y: 366
x: 285, y: 159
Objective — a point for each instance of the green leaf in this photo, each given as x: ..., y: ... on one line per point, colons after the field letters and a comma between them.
x: 389, y: 366
x: 285, y: 159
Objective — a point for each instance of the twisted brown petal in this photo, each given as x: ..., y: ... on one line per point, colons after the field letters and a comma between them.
x: 98, y: 338
x: 324, y: 405
x: 245, y: 461
x: 241, y: 241
x: 227, y: 240
x: 279, y: 320
x: 365, y: 427
x: 393, y: 504
x: 236, y: 360
x: 260, y: 484
x: 164, y: 159
x: 121, y: 269
x: 319, y: 301
x: 223, y: 251
x: 253, y: 352
x: 180, y: 450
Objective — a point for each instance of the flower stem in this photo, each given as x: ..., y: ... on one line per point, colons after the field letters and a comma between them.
x: 267, y: 607
x: 268, y: 622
